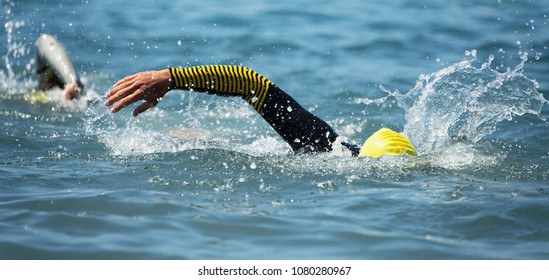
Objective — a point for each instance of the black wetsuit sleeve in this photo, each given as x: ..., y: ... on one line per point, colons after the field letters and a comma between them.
x: 303, y: 131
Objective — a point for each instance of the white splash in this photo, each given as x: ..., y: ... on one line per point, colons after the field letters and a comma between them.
x: 463, y: 102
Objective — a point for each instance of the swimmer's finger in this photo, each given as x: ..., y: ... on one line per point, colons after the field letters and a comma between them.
x: 121, y: 84
x: 115, y: 97
x: 127, y: 100
x: 126, y: 80
x: 144, y: 107
x: 121, y: 92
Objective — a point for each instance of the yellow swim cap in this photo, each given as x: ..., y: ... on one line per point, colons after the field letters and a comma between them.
x: 35, y: 97
x: 386, y: 142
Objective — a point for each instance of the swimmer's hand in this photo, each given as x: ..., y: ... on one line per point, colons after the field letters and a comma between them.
x: 148, y: 86
x: 73, y: 90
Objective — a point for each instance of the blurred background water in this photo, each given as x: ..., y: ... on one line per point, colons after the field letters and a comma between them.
x: 204, y: 177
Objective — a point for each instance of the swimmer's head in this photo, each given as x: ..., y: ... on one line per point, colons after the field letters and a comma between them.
x: 73, y: 90
x: 387, y: 142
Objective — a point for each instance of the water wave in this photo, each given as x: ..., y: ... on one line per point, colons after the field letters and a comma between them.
x: 465, y: 103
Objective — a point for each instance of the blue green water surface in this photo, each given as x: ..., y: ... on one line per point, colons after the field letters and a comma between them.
x: 205, y: 177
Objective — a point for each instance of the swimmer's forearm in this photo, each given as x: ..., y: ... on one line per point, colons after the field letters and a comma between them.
x: 50, y: 54
x: 224, y: 80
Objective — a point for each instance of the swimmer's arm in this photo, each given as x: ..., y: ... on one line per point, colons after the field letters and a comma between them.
x: 51, y: 54
x: 53, y: 59
x: 221, y: 80
x: 302, y: 130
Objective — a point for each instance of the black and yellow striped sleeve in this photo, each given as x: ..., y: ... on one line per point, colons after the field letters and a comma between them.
x: 224, y: 80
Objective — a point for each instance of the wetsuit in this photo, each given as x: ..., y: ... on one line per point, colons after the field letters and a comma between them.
x: 303, y: 131
x: 53, y: 65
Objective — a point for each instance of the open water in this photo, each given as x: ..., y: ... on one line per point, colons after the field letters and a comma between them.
x: 204, y: 177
